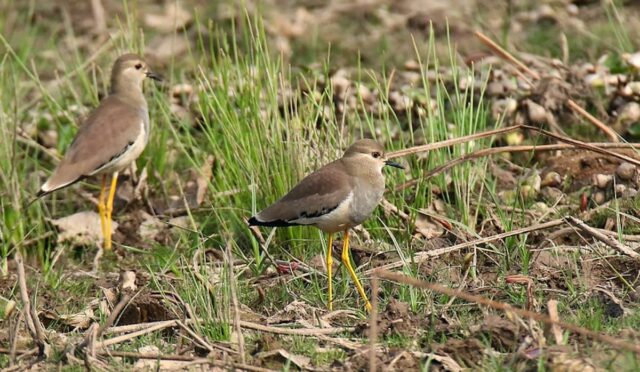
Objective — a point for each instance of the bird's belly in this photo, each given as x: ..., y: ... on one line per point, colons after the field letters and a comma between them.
x: 363, y: 205
x: 129, y: 155
x: 355, y: 210
x: 337, y: 220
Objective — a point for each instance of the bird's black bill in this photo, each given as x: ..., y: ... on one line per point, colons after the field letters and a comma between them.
x: 393, y: 164
x: 154, y: 76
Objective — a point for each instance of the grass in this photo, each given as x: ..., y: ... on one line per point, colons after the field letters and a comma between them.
x: 264, y: 140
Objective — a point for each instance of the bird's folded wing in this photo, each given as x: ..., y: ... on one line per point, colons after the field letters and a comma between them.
x: 316, y: 195
x: 106, y: 134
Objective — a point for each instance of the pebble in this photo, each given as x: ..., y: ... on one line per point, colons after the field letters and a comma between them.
x: 551, y: 179
x: 551, y: 194
x: 602, y: 181
x: 599, y: 197
x: 626, y: 171
x: 537, y: 113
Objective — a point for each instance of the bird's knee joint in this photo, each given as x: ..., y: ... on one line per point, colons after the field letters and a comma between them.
x: 346, y: 261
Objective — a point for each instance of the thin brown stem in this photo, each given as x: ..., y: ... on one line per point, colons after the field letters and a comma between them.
x: 501, y: 52
x: 451, y: 142
x: 423, y: 256
x: 373, y: 324
x: 583, y: 145
x: 613, y: 136
x: 596, y: 234
x: 31, y: 317
x: 519, y: 148
x: 404, y: 279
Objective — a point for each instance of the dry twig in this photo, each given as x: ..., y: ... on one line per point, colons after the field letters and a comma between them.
x: 98, y: 17
x: 13, y: 336
x: 31, y: 317
x: 451, y: 142
x: 521, y: 66
x: 234, y: 300
x: 295, y: 331
x: 613, y: 136
x: 423, y: 256
x: 140, y: 326
x: 596, y: 234
x: 520, y: 148
x: 497, y: 49
x: 553, y: 315
x: 132, y: 335
x: 584, y: 145
x: 404, y: 279
x: 373, y: 324
x: 127, y: 291
x: 203, y: 343
x: 185, y: 358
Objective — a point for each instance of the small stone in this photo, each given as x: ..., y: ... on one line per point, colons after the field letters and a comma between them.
x: 540, y: 207
x: 507, y: 196
x: 626, y: 171
x: 352, y: 102
x: 537, y: 113
x: 527, y: 192
x: 602, y: 181
x: 545, y: 13
x: 316, y: 96
x: 514, y: 138
x: 599, y: 197
x: 629, y: 113
x: 412, y: 65
x: 551, y: 194
x: 48, y: 138
x: 594, y: 80
x: 626, y: 91
x: 552, y: 179
x: 365, y: 93
x: 339, y: 85
x: 181, y: 89
x: 412, y: 78
x: 632, y: 60
x: 620, y: 190
x: 630, y: 193
x: 615, y: 79
x: 495, y: 89
x: 503, y: 107
x: 400, y: 102
x: 634, y: 87
x: 573, y: 9
x: 532, y: 178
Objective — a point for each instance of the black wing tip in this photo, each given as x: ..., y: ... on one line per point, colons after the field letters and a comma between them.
x: 37, y: 197
x: 42, y: 192
x: 253, y: 221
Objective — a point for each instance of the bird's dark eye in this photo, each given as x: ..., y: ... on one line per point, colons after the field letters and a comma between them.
x: 138, y: 66
x: 376, y: 154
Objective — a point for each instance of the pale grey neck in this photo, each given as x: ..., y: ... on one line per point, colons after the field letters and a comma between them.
x: 130, y: 92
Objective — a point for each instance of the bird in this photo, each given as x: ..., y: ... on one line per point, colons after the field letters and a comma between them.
x: 336, y: 197
x: 110, y: 139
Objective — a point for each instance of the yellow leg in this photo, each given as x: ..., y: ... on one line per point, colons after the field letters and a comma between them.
x: 109, y: 209
x: 347, y: 263
x: 102, y: 207
x: 329, y: 270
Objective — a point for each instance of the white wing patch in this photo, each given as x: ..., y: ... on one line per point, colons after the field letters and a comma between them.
x: 335, y: 219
